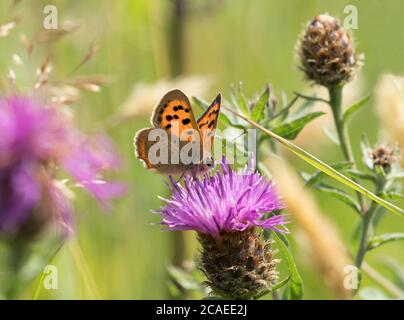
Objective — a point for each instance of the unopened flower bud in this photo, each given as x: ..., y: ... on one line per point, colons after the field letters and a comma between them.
x: 384, y: 156
x: 327, y: 52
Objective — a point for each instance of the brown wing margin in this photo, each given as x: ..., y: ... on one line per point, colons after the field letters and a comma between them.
x: 142, y: 145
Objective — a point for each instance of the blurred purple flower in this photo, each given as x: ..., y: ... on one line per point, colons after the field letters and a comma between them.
x: 228, y: 200
x: 36, y: 140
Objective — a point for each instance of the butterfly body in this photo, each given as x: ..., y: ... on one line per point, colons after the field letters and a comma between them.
x: 177, y: 144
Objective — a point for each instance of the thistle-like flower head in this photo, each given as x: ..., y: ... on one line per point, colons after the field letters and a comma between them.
x: 385, y: 156
x: 36, y: 140
x: 227, y: 209
x: 225, y: 201
x: 327, y: 52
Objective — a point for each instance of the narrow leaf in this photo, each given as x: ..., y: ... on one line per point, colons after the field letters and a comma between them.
x: 340, y: 195
x: 319, y: 175
x: 239, y: 99
x: 275, y: 287
x: 357, y: 174
x: 391, y: 196
x: 291, y: 129
x: 286, y: 106
x: 331, y: 134
x: 366, y: 150
x: 377, y: 241
x: 258, y: 111
x: 355, y: 107
x: 185, y: 280
x: 201, y: 103
x: 312, y: 160
x: 296, y: 283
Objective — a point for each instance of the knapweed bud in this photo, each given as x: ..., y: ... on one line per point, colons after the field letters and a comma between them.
x: 238, y: 265
x: 228, y: 211
x: 327, y: 52
x: 384, y: 156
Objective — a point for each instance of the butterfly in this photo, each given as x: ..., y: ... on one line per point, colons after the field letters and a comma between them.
x: 177, y: 144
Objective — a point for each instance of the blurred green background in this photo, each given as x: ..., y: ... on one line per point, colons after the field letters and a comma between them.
x: 123, y: 254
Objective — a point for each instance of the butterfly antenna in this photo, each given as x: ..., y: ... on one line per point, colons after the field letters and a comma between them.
x: 242, y: 134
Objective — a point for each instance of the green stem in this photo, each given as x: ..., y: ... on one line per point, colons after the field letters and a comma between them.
x: 366, y: 224
x: 342, y: 130
x: 367, y: 213
x: 364, y: 240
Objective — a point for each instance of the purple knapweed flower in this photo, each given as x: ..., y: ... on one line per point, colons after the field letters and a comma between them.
x: 36, y: 141
x: 228, y: 200
x: 228, y: 211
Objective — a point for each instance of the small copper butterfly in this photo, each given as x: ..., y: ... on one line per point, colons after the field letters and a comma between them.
x: 177, y: 143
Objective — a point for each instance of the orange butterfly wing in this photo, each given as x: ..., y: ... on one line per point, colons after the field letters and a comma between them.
x: 207, y: 124
x: 173, y: 114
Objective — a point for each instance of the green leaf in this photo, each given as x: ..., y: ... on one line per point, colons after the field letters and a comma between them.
x: 239, y: 99
x: 184, y: 279
x: 275, y: 287
x: 331, y: 134
x: 284, y: 112
x: 317, y: 176
x: 283, y: 238
x: 366, y: 151
x: 320, y: 165
x: 291, y: 129
x: 280, y: 284
x: 377, y: 241
x: 258, y: 111
x: 391, y: 196
x: 201, y: 103
x: 355, y: 107
x: 340, y: 195
x: 296, y: 283
x: 357, y: 174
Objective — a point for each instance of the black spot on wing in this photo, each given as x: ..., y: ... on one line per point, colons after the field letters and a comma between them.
x: 186, y: 121
x: 169, y: 118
